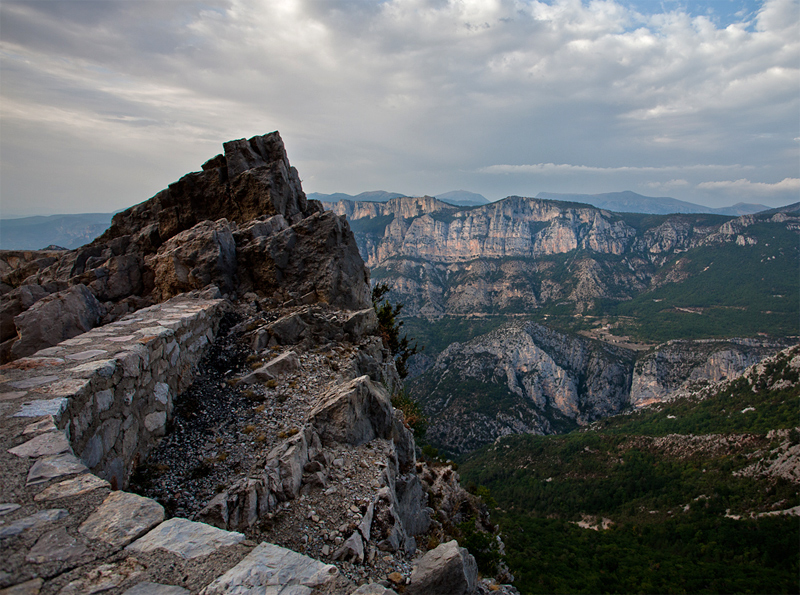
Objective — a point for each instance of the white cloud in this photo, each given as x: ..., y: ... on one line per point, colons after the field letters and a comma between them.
x: 760, y: 188
x: 417, y: 96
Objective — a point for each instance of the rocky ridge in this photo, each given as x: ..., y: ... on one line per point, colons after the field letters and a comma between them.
x: 287, y: 433
x: 528, y: 378
x: 509, y: 255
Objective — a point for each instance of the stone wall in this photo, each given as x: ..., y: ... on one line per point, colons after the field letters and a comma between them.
x: 111, y: 390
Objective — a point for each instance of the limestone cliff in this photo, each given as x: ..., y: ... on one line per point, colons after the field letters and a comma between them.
x: 521, y: 253
x: 522, y: 378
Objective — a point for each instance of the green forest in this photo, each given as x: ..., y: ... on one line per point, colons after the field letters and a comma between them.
x: 673, y: 486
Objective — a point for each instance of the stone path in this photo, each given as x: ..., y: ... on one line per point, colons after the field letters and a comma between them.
x: 107, y: 395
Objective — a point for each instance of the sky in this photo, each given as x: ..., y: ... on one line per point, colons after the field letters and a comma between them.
x: 104, y: 103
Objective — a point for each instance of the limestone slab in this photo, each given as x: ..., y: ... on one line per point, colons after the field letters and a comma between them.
x: 122, y: 339
x: 41, y: 407
x: 34, y: 521
x: 43, y: 425
x: 185, y: 538
x: 56, y: 546
x: 83, y: 484
x: 84, y: 355
x: 32, y: 382
x: 6, y: 507
x: 13, y: 395
x: 53, y: 467
x: 64, y: 388
x: 104, y: 368
x: 121, y: 518
x: 51, y: 443
x: 156, y: 589
x: 270, y: 565
x: 31, y: 587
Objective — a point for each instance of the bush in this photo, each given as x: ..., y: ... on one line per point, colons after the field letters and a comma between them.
x: 389, y: 328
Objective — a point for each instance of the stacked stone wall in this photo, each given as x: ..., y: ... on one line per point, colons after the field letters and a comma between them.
x: 112, y: 389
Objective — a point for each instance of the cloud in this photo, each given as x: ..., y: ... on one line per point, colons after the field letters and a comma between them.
x: 759, y: 188
x: 548, y: 168
x: 417, y: 96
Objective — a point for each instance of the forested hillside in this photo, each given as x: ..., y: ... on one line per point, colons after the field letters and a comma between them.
x: 698, y: 495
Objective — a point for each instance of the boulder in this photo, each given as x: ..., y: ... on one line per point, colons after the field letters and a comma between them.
x: 445, y: 570
x: 195, y: 258
x: 55, y: 318
x: 355, y: 413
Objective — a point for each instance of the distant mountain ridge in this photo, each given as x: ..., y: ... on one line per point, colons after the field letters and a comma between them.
x: 67, y: 231
x: 369, y: 196
x: 463, y: 198
x: 631, y: 202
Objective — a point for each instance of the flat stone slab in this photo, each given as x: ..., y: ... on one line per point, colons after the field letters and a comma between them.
x: 84, y: 355
x: 6, y: 507
x: 156, y: 589
x: 270, y: 565
x: 82, y: 484
x: 104, y: 578
x: 37, y: 427
x: 185, y: 538
x: 41, y: 407
x: 32, y: 522
x: 31, y: 587
x: 13, y: 395
x: 32, y: 382
x: 55, y: 466
x: 121, y: 518
x: 56, y: 546
x: 51, y: 443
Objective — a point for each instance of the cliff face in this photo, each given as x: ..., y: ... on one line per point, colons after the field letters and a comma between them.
x: 528, y: 378
x: 522, y: 378
x: 521, y: 253
x: 680, y: 367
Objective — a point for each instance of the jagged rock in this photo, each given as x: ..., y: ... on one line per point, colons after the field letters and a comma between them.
x: 288, y: 330
x: 195, y: 258
x: 360, y: 324
x: 289, y: 459
x: 353, y: 414
x: 272, y: 569
x: 446, y: 570
x: 185, y: 538
x: 55, y: 318
x: 242, y: 224
x: 283, y: 364
x: 352, y: 549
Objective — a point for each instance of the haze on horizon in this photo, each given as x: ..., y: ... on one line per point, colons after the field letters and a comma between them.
x: 103, y: 103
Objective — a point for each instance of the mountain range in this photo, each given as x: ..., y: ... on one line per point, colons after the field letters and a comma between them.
x: 631, y: 202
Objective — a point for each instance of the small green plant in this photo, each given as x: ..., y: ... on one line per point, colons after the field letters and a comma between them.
x: 415, y: 417
x: 389, y: 327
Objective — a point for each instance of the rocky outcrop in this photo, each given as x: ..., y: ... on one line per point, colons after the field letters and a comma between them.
x: 680, y: 367
x: 55, y: 318
x: 522, y: 378
x: 448, y: 570
x: 242, y: 224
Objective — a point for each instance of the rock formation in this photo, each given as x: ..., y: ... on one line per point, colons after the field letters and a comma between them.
x: 510, y: 255
x: 242, y: 224
x: 216, y: 350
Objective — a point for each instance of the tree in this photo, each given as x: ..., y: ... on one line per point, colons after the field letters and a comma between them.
x: 389, y: 327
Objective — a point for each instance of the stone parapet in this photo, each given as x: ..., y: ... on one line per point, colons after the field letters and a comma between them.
x: 111, y: 390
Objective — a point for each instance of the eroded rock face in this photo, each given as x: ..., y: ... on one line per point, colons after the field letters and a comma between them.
x: 682, y: 366
x: 242, y: 224
x: 55, y: 318
x: 446, y: 570
x: 200, y: 256
x: 522, y: 378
